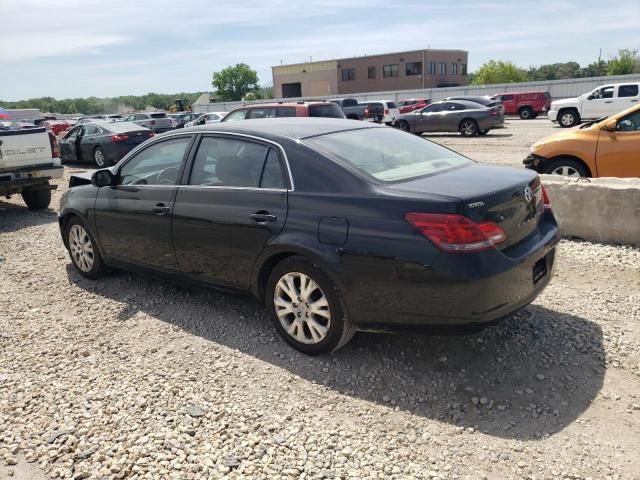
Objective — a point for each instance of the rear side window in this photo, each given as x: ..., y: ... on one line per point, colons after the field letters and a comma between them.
x: 628, y: 91
x: 272, y: 176
x: 392, y: 105
x: 236, y: 115
x: 228, y: 162
x: 158, y: 115
x: 506, y: 98
x: 330, y: 110
x: 261, y: 113
x: 286, y: 112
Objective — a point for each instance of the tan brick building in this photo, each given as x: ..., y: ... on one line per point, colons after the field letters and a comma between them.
x: 375, y: 73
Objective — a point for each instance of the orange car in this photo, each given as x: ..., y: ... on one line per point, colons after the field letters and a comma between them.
x: 606, y: 147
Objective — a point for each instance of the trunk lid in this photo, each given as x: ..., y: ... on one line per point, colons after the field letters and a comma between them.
x: 509, y: 197
x: 137, y: 137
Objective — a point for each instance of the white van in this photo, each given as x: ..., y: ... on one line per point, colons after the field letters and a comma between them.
x: 601, y: 102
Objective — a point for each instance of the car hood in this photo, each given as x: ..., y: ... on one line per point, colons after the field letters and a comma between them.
x: 565, y: 102
x: 570, y: 135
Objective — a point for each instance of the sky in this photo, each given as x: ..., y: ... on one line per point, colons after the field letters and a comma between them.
x: 81, y: 48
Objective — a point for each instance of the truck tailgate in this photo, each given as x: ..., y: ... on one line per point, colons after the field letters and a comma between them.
x: 25, y: 148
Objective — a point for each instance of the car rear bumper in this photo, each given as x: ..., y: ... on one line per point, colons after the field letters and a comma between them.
x: 454, y: 290
x: 14, y: 180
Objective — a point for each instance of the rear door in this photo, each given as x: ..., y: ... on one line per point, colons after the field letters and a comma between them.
x: 133, y: 219
x: 627, y: 95
x: 450, y: 116
x: 234, y: 204
x: 618, y: 153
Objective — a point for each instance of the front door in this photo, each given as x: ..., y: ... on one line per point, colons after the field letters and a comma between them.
x: 234, y: 204
x: 88, y: 142
x: 599, y: 103
x: 133, y: 218
x: 68, y: 145
x: 429, y: 118
x: 618, y: 152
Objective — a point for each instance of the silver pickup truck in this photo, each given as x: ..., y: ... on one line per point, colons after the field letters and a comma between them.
x: 29, y: 159
x: 157, y: 122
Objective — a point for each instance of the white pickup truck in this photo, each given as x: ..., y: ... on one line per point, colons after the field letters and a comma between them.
x: 29, y: 159
x: 604, y: 101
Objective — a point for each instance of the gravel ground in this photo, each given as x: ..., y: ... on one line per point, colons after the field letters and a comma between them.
x: 129, y: 377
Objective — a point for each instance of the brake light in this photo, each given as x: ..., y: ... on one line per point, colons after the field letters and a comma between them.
x: 546, y: 200
x: 494, y: 113
x: 366, y: 111
x: 55, y: 146
x: 386, y: 111
x: 151, y: 134
x: 456, y: 233
x: 119, y: 138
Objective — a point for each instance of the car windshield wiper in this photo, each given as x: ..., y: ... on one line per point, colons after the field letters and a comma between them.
x: 588, y: 124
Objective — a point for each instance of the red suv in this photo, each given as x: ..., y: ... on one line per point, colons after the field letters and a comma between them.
x: 282, y: 109
x: 526, y: 104
x: 411, y: 104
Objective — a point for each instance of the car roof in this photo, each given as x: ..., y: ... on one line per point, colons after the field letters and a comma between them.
x: 472, y: 98
x: 285, y: 104
x: 292, y: 128
x: 466, y: 103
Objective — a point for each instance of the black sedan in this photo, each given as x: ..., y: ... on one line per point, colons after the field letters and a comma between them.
x: 103, y: 143
x: 462, y: 116
x: 335, y: 227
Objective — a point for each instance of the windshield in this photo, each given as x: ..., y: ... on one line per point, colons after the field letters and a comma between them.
x: 387, y: 154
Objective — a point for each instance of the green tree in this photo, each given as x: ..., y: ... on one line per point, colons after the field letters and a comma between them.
x: 595, y: 69
x: 498, y: 72
x: 626, y: 62
x: 234, y: 82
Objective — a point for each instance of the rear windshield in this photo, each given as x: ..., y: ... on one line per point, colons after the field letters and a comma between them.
x: 349, y: 102
x: 158, y: 115
x: 387, y: 154
x: 121, y: 127
x: 330, y: 110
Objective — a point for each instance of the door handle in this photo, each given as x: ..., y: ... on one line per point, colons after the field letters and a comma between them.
x: 262, y: 217
x: 609, y: 101
x: 634, y: 100
x: 160, y: 209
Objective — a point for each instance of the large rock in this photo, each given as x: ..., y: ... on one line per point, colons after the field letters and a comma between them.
x: 599, y: 209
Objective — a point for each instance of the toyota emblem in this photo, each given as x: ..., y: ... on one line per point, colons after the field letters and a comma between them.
x: 528, y: 196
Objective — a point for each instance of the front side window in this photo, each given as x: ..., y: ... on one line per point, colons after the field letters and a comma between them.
x: 630, y: 123
x: 227, y: 162
x: 348, y: 74
x: 387, y: 155
x: 414, y: 68
x: 628, y: 91
x: 604, y: 92
x: 390, y: 71
x: 286, y: 112
x: 158, y: 164
x: 371, y: 72
x: 506, y: 98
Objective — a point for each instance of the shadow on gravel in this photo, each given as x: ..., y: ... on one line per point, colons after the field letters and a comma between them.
x: 16, y: 217
x: 529, y: 376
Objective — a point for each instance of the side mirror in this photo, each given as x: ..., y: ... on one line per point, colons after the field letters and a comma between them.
x: 103, y: 178
x: 610, y: 126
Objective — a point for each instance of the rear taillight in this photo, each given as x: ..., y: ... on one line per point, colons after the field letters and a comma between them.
x: 150, y: 134
x: 119, y: 138
x: 494, y: 113
x: 55, y: 146
x: 386, y: 111
x: 366, y: 111
x: 456, y: 233
x: 546, y: 200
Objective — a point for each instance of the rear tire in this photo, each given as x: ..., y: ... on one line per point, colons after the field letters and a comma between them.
x: 100, y: 159
x: 526, y: 113
x: 37, y: 198
x: 83, y: 249
x: 307, y: 308
x: 468, y: 127
x: 566, y: 167
x: 568, y: 118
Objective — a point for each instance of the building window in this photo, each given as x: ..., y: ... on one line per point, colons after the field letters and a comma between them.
x: 463, y: 69
x: 371, y: 72
x: 432, y: 68
x: 442, y: 68
x: 414, y: 68
x: 390, y: 70
x: 454, y: 69
x: 348, y: 74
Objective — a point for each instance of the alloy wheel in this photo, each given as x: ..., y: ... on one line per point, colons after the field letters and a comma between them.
x: 469, y: 128
x: 302, y: 308
x: 566, y: 171
x: 567, y: 119
x: 99, y: 158
x: 81, y: 248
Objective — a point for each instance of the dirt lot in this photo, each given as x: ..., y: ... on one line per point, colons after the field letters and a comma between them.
x: 128, y: 377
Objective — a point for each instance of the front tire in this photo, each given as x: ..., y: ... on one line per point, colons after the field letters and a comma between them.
x: 468, y: 128
x: 83, y: 249
x: 404, y: 125
x: 566, y: 167
x: 568, y: 118
x: 306, y: 307
x: 37, y: 198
